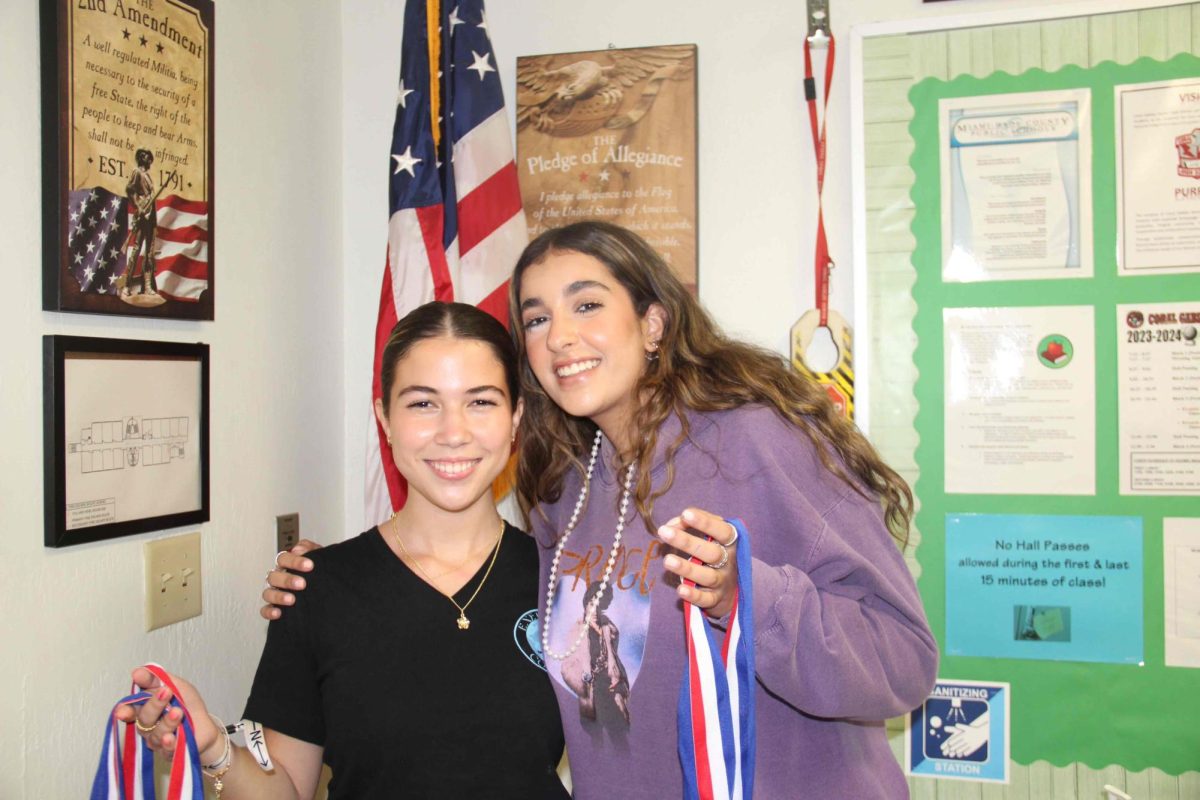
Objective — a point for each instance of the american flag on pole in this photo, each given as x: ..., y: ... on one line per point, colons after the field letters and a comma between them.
x: 456, y: 226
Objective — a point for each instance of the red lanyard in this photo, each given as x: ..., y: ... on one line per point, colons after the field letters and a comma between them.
x: 823, y: 262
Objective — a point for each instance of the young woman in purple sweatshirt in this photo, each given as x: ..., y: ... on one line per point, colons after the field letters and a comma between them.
x: 639, y: 414
x: 618, y: 359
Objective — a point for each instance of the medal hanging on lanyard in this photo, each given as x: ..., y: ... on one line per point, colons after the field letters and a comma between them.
x: 715, y: 713
x: 820, y: 332
x: 129, y: 775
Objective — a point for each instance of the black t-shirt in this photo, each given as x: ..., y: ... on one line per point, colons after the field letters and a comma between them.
x: 371, y: 665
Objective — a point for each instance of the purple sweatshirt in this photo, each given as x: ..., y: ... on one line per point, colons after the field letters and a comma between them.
x: 841, y: 641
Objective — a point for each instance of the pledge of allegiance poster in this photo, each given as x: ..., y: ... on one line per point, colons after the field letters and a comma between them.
x: 611, y: 135
x: 129, y: 231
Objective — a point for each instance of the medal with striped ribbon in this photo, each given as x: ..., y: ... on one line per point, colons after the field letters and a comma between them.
x: 129, y: 774
x: 716, y: 699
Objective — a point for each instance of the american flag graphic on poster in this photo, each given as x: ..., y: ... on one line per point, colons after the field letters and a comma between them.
x: 99, y: 245
x: 456, y: 226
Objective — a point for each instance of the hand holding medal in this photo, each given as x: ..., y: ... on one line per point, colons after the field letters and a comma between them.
x: 711, y: 544
x: 158, y: 721
x: 155, y: 713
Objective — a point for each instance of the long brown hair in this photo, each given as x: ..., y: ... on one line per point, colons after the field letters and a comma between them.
x: 699, y: 368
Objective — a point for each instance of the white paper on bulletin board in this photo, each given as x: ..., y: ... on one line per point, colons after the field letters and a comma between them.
x: 1020, y: 400
x: 1158, y: 379
x: 1181, y: 591
x: 1016, y: 186
x: 1158, y: 177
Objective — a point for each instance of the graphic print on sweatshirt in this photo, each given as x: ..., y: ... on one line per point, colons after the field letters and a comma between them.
x: 604, y: 667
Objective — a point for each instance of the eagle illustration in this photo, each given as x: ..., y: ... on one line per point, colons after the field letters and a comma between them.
x: 581, y: 97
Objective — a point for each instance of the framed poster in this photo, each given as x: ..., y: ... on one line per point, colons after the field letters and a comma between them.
x: 611, y: 135
x: 127, y: 154
x: 125, y: 437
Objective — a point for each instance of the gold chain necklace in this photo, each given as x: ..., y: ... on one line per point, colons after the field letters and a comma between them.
x: 463, y: 622
x: 438, y: 576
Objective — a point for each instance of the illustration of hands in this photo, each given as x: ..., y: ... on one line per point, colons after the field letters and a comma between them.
x: 966, y: 739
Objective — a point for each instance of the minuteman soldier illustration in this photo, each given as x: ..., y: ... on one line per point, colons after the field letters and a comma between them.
x: 137, y: 285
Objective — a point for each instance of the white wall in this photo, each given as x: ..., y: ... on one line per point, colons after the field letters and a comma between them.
x: 71, y: 620
x: 757, y: 177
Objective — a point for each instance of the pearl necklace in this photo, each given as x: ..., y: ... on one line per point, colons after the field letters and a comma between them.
x: 552, y: 584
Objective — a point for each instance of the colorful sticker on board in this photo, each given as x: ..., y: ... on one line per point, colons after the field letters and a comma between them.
x: 961, y: 731
x: 1053, y: 588
x: 1055, y: 351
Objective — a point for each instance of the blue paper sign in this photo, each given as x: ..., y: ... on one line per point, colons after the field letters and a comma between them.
x: 1060, y: 588
x: 960, y: 731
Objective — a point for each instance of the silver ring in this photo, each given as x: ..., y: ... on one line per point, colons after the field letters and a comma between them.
x: 725, y: 548
x: 277, y: 555
x: 724, y: 557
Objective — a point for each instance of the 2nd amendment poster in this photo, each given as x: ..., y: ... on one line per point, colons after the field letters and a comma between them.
x: 127, y: 152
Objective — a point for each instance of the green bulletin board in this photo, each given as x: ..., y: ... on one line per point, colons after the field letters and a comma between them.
x: 1098, y: 714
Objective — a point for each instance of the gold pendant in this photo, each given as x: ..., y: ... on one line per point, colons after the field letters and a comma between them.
x: 463, y: 622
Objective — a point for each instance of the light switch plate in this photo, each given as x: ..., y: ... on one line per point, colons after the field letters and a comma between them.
x: 287, y: 531
x: 173, y: 587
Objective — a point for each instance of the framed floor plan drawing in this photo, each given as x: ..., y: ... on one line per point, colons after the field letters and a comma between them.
x: 126, y: 437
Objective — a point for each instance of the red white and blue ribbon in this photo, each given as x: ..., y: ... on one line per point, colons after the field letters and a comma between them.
x: 716, y: 700
x: 129, y: 774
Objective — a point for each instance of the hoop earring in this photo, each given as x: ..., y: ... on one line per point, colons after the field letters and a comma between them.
x: 652, y: 353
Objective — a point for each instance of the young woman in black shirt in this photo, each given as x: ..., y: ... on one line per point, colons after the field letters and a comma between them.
x: 409, y: 666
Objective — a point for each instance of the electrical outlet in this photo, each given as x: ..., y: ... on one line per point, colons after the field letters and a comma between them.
x: 287, y: 531
x: 173, y: 588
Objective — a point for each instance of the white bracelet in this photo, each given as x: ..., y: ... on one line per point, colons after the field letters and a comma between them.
x: 222, y: 763
x: 256, y: 745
